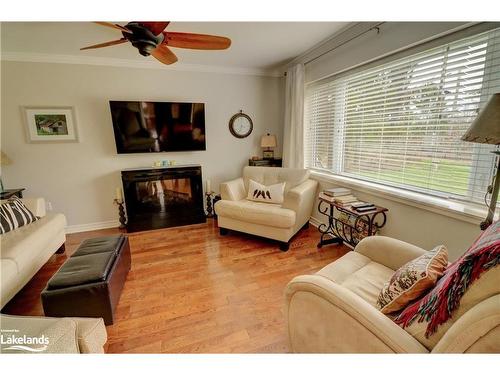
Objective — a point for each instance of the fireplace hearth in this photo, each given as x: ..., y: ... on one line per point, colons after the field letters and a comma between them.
x: 163, y: 197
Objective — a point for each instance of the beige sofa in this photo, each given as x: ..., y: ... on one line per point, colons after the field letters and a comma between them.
x: 276, y: 221
x: 25, y: 250
x: 63, y: 335
x: 333, y: 311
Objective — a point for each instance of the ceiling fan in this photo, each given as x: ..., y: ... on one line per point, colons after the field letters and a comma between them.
x: 150, y: 38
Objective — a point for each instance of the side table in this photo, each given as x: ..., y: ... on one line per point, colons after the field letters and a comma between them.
x: 7, y: 193
x: 265, y: 162
x: 347, y: 225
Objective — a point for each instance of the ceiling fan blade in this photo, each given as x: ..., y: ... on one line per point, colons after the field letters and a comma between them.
x: 155, y: 27
x: 195, y: 41
x: 106, y: 44
x: 114, y: 26
x: 163, y: 54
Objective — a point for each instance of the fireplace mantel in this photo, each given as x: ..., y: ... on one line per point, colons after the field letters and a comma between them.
x: 165, y: 167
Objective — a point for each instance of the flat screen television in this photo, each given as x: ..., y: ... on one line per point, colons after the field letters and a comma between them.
x: 158, y: 126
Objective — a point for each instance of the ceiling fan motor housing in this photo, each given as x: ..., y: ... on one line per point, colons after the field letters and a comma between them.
x: 142, y: 38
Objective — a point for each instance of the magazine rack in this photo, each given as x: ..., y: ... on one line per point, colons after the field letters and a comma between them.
x: 347, y: 225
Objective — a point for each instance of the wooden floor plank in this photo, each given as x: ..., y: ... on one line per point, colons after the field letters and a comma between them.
x: 191, y: 290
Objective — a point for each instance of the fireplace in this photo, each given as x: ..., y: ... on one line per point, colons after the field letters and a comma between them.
x: 163, y: 197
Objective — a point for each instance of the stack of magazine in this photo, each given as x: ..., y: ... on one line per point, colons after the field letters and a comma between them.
x: 363, y: 207
x: 340, y: 196
x: 344, y: 197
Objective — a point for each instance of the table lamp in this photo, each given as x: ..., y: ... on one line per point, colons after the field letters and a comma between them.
x: 268, y: 142
x: 4, y: 160
x: 486, y: 129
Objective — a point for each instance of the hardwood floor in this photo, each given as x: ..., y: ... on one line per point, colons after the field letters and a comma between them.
x: 191, y: 290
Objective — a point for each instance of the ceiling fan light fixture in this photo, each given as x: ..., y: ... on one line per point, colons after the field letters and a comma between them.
x: 150, y: 38
x: 145, y: 47
x: 142, y: 38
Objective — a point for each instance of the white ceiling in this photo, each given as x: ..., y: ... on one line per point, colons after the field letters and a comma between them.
x: 255, y: 45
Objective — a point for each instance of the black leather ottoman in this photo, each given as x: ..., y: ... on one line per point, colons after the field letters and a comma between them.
x: 90, y: 282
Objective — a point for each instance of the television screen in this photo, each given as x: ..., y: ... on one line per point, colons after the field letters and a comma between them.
x: 158, y: 126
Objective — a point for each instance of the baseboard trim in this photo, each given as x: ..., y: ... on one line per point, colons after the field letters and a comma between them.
x: 92, y: 226
x: 314, y: 222
x: 115, y: 224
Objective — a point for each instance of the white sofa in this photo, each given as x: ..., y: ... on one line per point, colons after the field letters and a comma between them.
x: 276, y: 221
x: 25, y: 250
x: 64, y: 335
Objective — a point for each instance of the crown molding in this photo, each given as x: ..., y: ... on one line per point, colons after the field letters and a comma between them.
x: 356, y: 29
x: 341, y: 36
x: 126, y: 63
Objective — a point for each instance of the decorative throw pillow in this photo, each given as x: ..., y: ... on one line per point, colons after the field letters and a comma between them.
x: 262, y: 193
x: 437, y: 306
x: 412, y: 280
x: 14, y: 214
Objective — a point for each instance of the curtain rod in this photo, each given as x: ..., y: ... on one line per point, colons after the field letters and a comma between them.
x: 376, y: 27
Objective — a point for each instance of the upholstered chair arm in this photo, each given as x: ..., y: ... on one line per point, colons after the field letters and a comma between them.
x: 92, y: 335
x: 324, y: 317
x: 35, y: 205
x: 388, y: 251
x: 477, y: 331
x: 233, y: 190
x: 66, y: 335
x: 301, y: 199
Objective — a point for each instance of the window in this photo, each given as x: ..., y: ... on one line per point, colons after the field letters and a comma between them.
x: 400, y: 123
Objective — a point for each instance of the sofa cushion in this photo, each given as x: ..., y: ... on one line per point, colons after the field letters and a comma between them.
x: 412, y: 280
x: 343, y: 267
x: 14, y: 214
x: 8, y: 271
x: 81, y: 270
x: 16, y: 244
x: 359, y: 274
x: 266, y: 194
x: 269, y: 214
x: 274, y: 175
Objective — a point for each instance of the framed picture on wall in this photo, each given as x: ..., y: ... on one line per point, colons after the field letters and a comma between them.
x: 50, y: 124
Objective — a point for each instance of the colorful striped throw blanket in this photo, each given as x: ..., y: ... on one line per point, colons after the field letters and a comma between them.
x: 437, y: 306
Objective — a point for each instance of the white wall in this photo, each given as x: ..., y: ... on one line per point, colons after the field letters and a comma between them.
x: 405, y: 221
x: 79, y: 179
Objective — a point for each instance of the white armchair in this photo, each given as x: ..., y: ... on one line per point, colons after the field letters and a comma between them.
x: 334, y: 310
x: 275, y: 221
x: 64, y: 335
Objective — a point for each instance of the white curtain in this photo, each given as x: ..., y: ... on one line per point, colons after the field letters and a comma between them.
x: 293, y: 134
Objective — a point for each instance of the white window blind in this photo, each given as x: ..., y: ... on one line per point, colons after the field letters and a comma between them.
x: 400, y: 123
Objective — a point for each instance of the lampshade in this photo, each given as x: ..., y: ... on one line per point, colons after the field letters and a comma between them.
x: 486, y: 127
x: 4, y: 159
x: 268, y: 141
